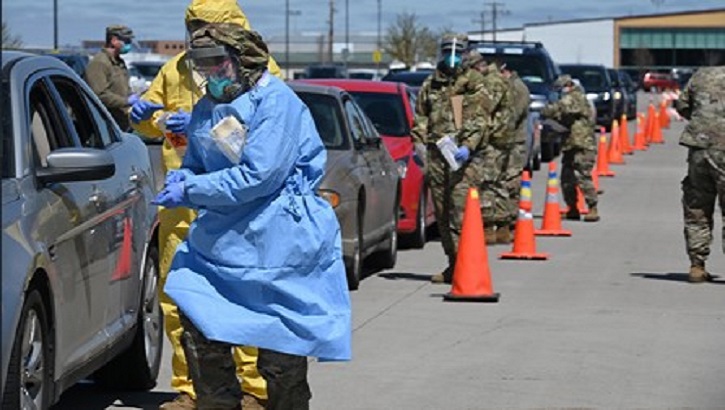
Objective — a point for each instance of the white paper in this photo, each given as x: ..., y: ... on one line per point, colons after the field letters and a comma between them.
x: 230, y: 136
x: 448, y: 148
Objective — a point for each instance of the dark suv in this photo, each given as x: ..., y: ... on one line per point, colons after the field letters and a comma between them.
x: 538, y: 71
x: 598, y: 87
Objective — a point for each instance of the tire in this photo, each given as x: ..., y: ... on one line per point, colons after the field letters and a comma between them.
x: 138, y: 367
x: 417, y: 239
x: 355, y: 263
x: 387, y: 258
x: 29, y: 382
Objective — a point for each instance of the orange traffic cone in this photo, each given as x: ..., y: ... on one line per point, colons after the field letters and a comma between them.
x: 524, y: 240
x: 602, y: 157
x: 624, y: 136
x: 551, y: 225
x: 123, y: 266
x: 615, y: 153
x: 649, y: 128
x: 639, y: 143
x: 595, y: 180
x: 657, y: 130
x: 472, y: 277
x: 664, y: 116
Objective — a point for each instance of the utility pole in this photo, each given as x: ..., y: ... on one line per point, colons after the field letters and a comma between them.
x: 497, y: 10
x: 346, y: 53
x: 331, y: 32
x: 55, y: 24
x: 482, y: 20
x: 288, y: 14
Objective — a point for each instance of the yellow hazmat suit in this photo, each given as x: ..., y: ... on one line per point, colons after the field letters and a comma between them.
x: 176, y: 88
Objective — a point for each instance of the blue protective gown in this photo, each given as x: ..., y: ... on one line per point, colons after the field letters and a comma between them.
x: 262, y: 264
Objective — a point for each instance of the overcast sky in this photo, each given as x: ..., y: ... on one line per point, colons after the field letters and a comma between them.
x: 80, y: 20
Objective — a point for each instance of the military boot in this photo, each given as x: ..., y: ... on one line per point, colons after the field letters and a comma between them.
x: 572, y: 214
x: 503, y: 235
x: 490, y: 235
x: 698, y: 274
x: 445, y: 277
x: 181, y: 402
x: 592, y: 216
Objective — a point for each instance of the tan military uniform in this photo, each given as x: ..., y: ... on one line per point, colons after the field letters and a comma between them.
x: 108, y: 77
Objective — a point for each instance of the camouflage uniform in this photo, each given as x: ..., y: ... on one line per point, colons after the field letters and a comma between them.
x: 579, y: 150
x: 108, y: 77
x: 517, y: 155
x: 703, y: 104
x: 435, y: 119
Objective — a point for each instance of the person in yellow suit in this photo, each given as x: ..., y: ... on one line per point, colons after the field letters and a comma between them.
x: 174, y: 91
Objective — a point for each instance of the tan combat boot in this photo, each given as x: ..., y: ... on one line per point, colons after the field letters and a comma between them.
x: 698, y: 274
x: 490, y: 235
x: 503, y: 235
x: 592, y: 216
x: 181, y: 402
x: 444, y: 277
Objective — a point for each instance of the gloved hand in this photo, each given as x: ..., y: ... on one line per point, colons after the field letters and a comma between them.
x: 172, y: 196
x: 174, y: 176
x: 133, y: 99
x: 462, y: 154
x: 178, y: 121
x: 143, y: 110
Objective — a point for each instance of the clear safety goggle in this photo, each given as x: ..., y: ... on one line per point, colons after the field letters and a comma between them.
x: 211, y: 61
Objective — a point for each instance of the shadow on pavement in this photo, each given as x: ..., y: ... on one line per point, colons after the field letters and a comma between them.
x: 673, y: 277
x: 89, y: 396
x: 405, y: 276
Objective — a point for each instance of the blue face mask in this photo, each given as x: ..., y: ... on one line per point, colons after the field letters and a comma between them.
x: 216, y: 86
x: 125, y: 49
x: 453, y: 61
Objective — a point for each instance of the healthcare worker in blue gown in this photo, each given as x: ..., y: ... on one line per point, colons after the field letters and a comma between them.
x: 262, y: 264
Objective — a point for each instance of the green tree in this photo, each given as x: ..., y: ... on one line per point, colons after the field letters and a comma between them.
x: 9, y: 40
x: 408, y: 41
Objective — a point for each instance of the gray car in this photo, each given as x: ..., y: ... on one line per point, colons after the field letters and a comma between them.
x: 79, y: 254
x: 361, y: 181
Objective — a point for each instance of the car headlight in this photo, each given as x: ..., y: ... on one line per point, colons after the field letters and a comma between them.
x: 592, y: 96
x: 617, y: 95
x: 537, y: 105
x: 606, y: 96
x: 402, y: 165
x: 330, y: 196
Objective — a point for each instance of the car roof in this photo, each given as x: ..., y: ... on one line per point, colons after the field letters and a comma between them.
x: 299, y: 86
x: 386, y: 87
x: 562, y: 66
x: 11, y: 57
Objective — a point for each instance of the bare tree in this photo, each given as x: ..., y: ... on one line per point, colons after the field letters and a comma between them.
x: 408, y: 41
x: 9, y: 40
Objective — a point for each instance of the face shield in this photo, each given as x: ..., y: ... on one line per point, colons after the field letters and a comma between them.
x: 215, y: 66
x: 451, y: 53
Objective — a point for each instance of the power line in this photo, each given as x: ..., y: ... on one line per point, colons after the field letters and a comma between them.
x: 497, y: 9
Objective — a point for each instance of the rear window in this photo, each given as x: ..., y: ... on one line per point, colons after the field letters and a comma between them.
x: 386, y: 111
x: 530, y: 68
x: 326, y: 113
x: 592, y: 79
x: 6, y: 131
x: 414, y: 79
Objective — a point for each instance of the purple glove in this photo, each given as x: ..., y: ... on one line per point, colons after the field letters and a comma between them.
x: 172, y: 196
x: 462, y: 154
x: 133, y: 99
x: 178, y: 122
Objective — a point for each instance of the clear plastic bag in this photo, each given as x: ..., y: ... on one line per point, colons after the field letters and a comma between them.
x: 178, y: 141
x: 230, y: 135
x: 448, y: 148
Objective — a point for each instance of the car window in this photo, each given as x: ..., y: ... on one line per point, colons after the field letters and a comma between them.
x: 413, y: 100
x: 354, y: 121
x: 6, y: 132
x: 325, y: 111
x: 81, y: 114
x: 386, y: 111
x: 43, y: 118
x: 369, y: 129
x: 530, y: 68
x: 592, y: 79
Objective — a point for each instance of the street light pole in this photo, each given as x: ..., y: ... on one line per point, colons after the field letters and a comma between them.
x: 286, y: 39
x: 55, y: 24
x: 347, y: 32
x: 380, y: 44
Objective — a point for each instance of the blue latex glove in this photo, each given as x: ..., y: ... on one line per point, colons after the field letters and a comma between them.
x: 174, y: 176
x: 178, y: 121
x: 143, y: 110
x: 172, y: 196
x: 462, y: 154
x: 133, y: 99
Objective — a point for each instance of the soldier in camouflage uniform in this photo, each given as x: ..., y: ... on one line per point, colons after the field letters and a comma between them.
x: 703, y: 104
x: 495, y: 153
x: 579, y: 151
x: 435, y: 119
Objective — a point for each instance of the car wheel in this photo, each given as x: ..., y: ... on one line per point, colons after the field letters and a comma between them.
x: 138, y: 367
x: 28, y: 384
x: 418, y: 238
x: 387, y: 258
x: 355, y: 264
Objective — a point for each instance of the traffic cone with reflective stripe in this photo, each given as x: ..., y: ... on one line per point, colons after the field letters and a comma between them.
x: 639, y: 143
x: 615, y: 151
x: 602, y: 157
x: 624, y: 136
x: 551, y: 224
x: 524, y: 240
x: 472, y: 277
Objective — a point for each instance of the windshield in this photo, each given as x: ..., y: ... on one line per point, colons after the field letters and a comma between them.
x: 324, y: 72
x: 530, y: 68
x: 386, y: 111
x: 591, y: 78
x: 147, y: 71
x: 325, y: 111
x: 614, y: 77
x: 6, y: 132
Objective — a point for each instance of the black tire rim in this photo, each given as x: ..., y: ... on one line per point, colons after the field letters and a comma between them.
x: 33, y: 363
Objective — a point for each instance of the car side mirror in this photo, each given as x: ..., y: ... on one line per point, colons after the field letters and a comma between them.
x: 76, y: 165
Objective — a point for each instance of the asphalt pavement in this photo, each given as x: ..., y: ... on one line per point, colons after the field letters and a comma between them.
x: 608, y: 321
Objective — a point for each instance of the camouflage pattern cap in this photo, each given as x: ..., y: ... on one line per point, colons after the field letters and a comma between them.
x: 460, y: 40
x: 120, y: 31
x: 563, y: 80
x: 247, y: 44
x: 474, y: 57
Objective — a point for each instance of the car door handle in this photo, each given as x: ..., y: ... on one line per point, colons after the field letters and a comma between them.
x: 95, y: 198
x: 135, y: 178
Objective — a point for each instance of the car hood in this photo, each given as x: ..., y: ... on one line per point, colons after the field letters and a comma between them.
x: 398, y: 147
